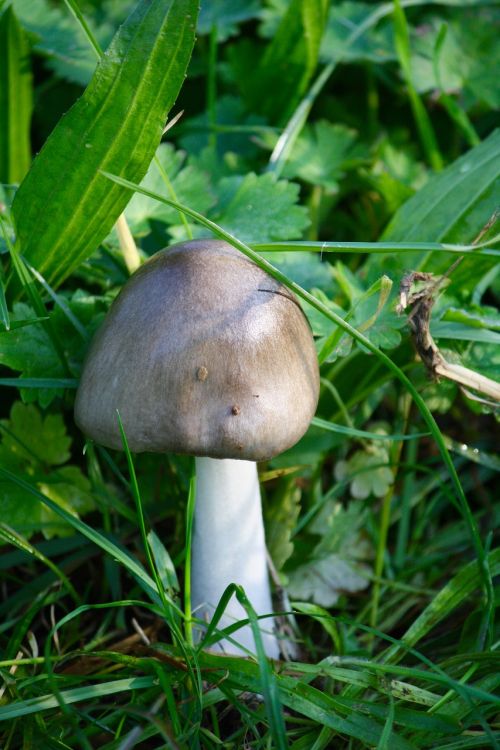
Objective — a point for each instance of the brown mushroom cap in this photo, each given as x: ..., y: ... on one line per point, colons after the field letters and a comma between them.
x: 201, y: 353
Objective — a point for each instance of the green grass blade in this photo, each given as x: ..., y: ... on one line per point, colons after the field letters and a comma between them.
x: 26, y: 280
x: 4, y: 310
x: 450, y: 597
x: 10, y: 536
x: 39, y: 382
x: 188, y: 546
x: 64, y: 208
x: 422, y: 119
x: 354, y: 433
x: 457, y: 114
x: 75, y: 695
x: 268, y: 680
x: 442, y: 210
x: 376, y: 248
x: 77, y: 13
x: 140, y: 516
x: 16, y: 99
x: 383, y: 743
x: 288, y: 63
x: 101, y: 541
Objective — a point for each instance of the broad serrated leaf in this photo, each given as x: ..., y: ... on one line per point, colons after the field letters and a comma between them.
x: 57, y: 37
x: 31, y: 437
x: 28, y: 349
x: 323, y: 581
x: 21, y: 512
x: 367, y: 470
x: 190, y: 185
x: 334, y: 567
x: 37, y: 445
x: 374, y: 44
x: 64, y: 207
x: 70, y: 489
x: 339, y: 527
x: 16, y: 99
x: 468, y: 60
x: 323, y: 154
x: 225, y: 15
x: 257, y: 208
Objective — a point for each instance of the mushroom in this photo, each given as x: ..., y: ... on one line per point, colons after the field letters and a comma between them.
x: 203, y: 353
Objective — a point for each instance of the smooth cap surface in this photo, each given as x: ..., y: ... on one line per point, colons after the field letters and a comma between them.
x: 201, y: 353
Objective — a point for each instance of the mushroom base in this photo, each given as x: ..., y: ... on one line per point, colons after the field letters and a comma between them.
x: 229, y: 547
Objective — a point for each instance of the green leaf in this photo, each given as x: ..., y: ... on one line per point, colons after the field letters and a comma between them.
x: 368, y: 470
x: 475, y: 316
x: 285, y: 69
x: 323, y: 153
x: 453, y: 207
x: 187, y: 182
x: 469, y: 57
x: 16, y: 99
x: 29, y: 350
x: 23, y: 513
x: 485, y: 358
x: 31, y: 435
x: 57, y: 37
x: 455, y: 204
x: 281, y: 518
x: 64, y: 207
x: 257, y: 207
x: 36, y: 446
x: 163, y: 563
x: 374, y: 45
x: 71, y: 490
x: 86, y: 693
x: 225, y: 15
x: 322, y: 581
x: 334, y: 567
x: 444, y: 603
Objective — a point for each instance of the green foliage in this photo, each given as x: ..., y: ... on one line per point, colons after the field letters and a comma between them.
x: 64, y: 208
x: 288, y: 63
x: 38, y: 446
x: 257, y: 206
x: 55, y: 35
x: 16, y: 99
x: 281, y: 519
x: 323, y: 154
x: 170, y: 172
x: 334, y: 566
x: 378, y: 521
x: 29, y: 350
x: 226, y: 15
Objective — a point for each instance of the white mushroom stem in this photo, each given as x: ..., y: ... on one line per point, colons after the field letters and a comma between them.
x: 229, y: 547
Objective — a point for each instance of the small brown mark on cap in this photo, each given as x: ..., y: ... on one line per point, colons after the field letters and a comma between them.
x: 235, y: 410
x: 201, y: 374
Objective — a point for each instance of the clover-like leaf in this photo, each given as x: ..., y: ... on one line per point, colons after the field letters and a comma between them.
x: 259, y: 208
x: 323, y: 581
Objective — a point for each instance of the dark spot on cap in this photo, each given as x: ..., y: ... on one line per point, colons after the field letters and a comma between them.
x: 235, y: 410
x: 201, y: 373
